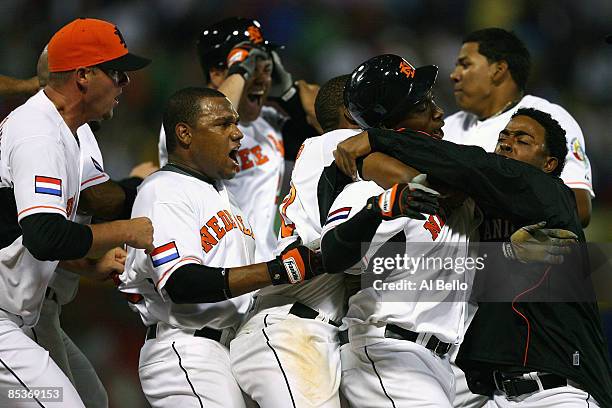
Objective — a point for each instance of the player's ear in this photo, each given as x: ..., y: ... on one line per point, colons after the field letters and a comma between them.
x: 550, y: 164
x: 499, y: 71
x: 183, y: 134
x: 82, y: 78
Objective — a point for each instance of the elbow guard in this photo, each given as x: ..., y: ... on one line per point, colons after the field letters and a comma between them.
x: 51, y: 237
x: 195, y: 283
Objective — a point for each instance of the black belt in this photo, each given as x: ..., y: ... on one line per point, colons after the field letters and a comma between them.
x: 301, y: 310
x: 206, y: 332
x: 514, y: 386
x: 395, y: 332
x: 51, y: 294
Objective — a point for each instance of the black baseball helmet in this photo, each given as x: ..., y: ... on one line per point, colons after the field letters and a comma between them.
x: 216, y: 41
x: 385, y: 86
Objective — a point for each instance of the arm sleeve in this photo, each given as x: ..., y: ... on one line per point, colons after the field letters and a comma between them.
x: 504, y: 186
x: 193, y: 283
x: 341, y: 246
x: 51, y: 237
x: 39, y: 176
x: 176, y: 239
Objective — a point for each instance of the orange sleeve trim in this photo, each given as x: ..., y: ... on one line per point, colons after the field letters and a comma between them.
x: 580, y: 182
x: 41, y: 206
x: 94, y: 178
x: 187, y: 258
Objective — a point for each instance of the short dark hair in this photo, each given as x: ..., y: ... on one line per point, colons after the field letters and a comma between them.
x: 183, y: 107
x: 329, y: 101
x: 554, y: 135
x: 497, y: 44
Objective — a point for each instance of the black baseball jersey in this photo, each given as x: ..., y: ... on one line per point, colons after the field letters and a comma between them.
x: 564, y: 338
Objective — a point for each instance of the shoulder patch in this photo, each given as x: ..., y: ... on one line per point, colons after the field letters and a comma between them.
x: 164, y: 254
x: 48, y: 185
x: 339, y: 214
x: 576, y: 149
x: 97, y: 165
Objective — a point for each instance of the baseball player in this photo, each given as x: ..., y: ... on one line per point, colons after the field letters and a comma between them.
x: 392, y: 343
x: 63, y: 286
x: 41, y: 172
x: 307, y: 315
x: 520, y: 353
x: 194, y: 287
x: 489, y: 81
x: 241, y: 63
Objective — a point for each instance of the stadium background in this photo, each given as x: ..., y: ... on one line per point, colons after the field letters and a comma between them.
x: 571, y: 66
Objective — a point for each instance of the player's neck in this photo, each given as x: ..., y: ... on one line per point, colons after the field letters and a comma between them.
x: 499, y: 102
x: 67, y: 108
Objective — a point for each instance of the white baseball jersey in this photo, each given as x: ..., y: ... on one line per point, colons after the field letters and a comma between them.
x: 66, y: 283
x: 40, y: 160
x: 422, y: 309
x: 194, y: 222
x: 257, y: 184
x: 300, y: 217
x: 465, y: 128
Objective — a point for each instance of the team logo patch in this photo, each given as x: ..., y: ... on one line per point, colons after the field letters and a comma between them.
x: 48, y: 185
x: 577, y: 150
x: 164, y: 254
x: 97, y: 165
x: 339, y: 214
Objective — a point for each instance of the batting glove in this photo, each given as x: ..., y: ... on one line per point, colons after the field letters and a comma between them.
x: 405, y: 200
x: 282, y: 81
x: 242, y: 59
x: 534, y: 243
x: 295, y: 264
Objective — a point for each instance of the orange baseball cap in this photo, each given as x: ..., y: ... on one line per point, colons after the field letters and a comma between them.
x: 86, y: 42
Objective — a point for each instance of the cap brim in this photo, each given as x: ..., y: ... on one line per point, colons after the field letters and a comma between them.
x: 609, y: 38
x: 127, y: 62
x: 424, y: 80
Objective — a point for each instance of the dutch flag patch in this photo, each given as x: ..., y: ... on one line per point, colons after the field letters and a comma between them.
x: 339, y: 214
x: 48, y: 185
x: 164, y: 254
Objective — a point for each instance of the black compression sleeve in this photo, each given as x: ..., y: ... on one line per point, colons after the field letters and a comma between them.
x: 507, y: 187
x: 195, y: 283
x: 341, y: 246
x: 51, y: 237
x: 129, y: 186
x: 296, y: 129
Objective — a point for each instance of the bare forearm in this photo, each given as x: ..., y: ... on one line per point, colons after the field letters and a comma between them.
x: 246, y: 279
x: 12, y: 86
x: 109, y: 235
x: 232, y: 87
x: 386, y: 171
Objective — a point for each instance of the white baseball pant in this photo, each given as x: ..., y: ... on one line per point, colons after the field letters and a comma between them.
x: 178, y: 369
x: 284, y: 361
x: 24, y: 365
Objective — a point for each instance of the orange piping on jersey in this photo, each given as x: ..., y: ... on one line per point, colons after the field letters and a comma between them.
x: 41, y: 206
x: 94, y: 178
x: 580, y: 182
x: 286, y: 229
x: 524, y: 317
x: 187, y: 258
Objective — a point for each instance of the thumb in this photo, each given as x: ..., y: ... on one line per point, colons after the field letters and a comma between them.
x: 534, y: 227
